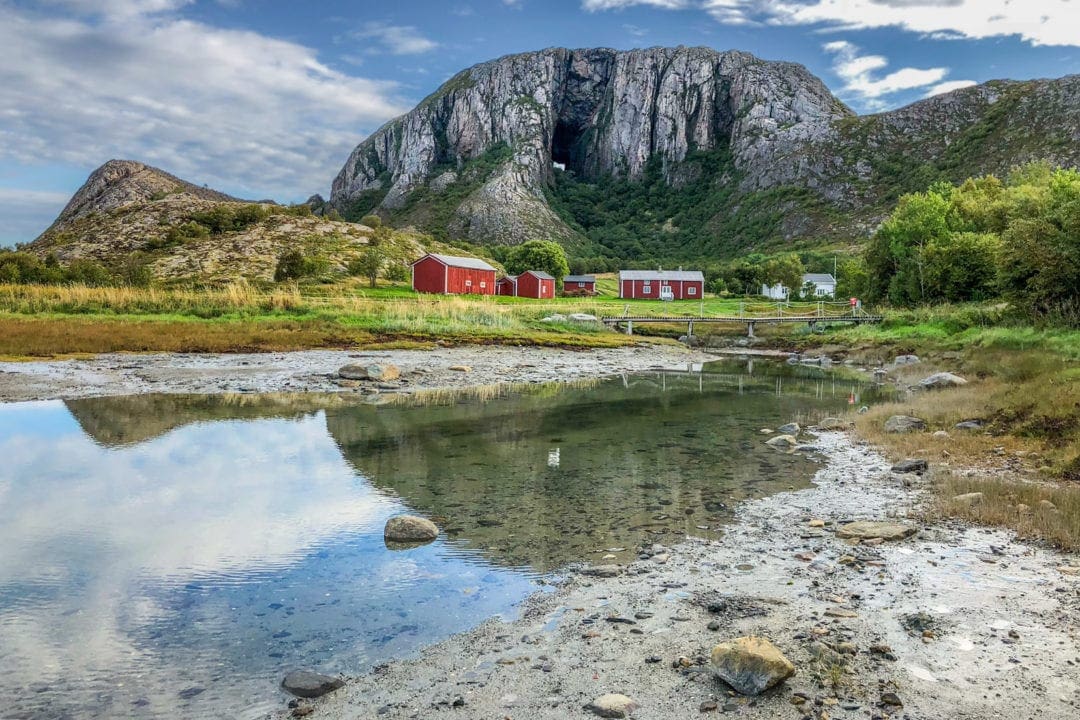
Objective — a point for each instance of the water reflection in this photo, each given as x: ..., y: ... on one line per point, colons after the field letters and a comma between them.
x: 172, y: 556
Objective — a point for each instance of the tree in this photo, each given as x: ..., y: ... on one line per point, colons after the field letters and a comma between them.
x: 894, y: 257
x: 787, y: 269
x: 539, y: 255
x: 372, y: 221
x: 290, y: 266
x: 370, y: 262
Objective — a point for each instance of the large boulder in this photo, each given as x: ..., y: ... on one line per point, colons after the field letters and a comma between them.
x: 906, y: 360
x: 787, y: 443
x: 870, y: 529
x: 409, y: 529
x: 612, y: 705
x: 904, y: 424
x: 791, y: 428
x: 380, y: 372
x: 833, y: 423
x: 751, y: 665
x: 583, y: 317
x: 307, y: 684
x: 937, y: 381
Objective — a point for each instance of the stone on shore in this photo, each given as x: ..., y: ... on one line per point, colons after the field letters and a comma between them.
x: 307, y: 684
x: 904, y: 424
x: 971, y: 498
x: 751, y: 665
x: 866, y: 529
x: 906, y: 360
x: 969, y: 425
x: 612, y: 705
x: 382, y: 372
x: 789, y: 429
x: 583, y: 317
x: 941, y: 380
x: 911, y: 466
x: 603, y: 571
x: 410, y: 529
x: 786, y: 443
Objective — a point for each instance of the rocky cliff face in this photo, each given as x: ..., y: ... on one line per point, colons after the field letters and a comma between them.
x: 598, y: 112
x: 475, y: 159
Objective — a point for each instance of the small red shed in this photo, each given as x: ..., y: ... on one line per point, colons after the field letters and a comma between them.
x: 535, y: 284
x: 452, y: 275
x: 507, y: 285
x: 579, y: 285
x: 649, y: 284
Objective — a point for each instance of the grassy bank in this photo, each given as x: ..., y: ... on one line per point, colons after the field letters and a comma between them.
x: 1023, y: 386
x: 48, y: 321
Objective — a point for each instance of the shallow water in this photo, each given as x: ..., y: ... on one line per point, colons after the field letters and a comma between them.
x: 168, y: 556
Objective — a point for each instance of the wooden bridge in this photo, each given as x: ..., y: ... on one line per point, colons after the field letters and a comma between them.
x: 813, y: 317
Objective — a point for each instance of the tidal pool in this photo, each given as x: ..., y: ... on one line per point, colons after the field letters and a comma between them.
x: 173, y: 556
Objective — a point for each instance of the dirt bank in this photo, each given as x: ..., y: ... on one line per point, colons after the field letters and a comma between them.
x: 316, y: 371
x: 954, y: 622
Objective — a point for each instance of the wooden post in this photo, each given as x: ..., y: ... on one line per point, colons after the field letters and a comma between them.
x: 629, y: 327
x: 690, y: 329
x: 750, y: 327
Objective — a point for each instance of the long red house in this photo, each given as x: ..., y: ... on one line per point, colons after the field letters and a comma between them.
x: 650, y: 284
x: 450, y: 275
x: 579, y: 285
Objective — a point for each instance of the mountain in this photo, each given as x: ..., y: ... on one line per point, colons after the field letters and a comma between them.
x: 129, y: 214
x: 681, y: 152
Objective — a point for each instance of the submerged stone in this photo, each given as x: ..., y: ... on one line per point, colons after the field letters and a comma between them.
x: 307, y: 684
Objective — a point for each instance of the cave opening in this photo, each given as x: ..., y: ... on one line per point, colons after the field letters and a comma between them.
x: 566, y: 146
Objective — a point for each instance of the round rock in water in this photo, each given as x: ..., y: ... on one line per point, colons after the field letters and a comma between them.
x: 410, y: 529
x: 786, y: 443
x: 307, y: 684
x: 789, y: 429
x: 612, y: 705
x: 751, y: 665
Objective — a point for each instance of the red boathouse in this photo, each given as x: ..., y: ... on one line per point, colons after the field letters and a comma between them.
x: 451, y: 275
x: 579, y: 285
x: 535, y: 284
x: 650, y: 284
x: 507, y: 285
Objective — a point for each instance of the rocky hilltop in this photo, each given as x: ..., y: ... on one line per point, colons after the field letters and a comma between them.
x: 481, y: 158
x: 129, y: 214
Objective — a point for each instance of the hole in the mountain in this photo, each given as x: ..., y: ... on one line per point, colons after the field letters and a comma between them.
x: 564, y: 146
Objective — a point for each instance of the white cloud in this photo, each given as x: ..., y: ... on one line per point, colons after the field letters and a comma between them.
x: 231, y: 108
x: 397, y: 39
x: 949, y: 86
x: 601, y: 5
x: 1040, y: 22
x: 859, y: 73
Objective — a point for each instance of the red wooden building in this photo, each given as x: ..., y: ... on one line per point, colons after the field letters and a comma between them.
x: 579, y: 285
x: 535, y: 284
x: 451, y: 275
x: 650, y: 284
x: 507, y: 285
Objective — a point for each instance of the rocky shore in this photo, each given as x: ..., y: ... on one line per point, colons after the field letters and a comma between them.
x: 317, y: 371
x: 940, y: 621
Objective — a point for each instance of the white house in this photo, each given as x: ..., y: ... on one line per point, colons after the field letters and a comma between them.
x: 779, y: 291
x: 824, y: 283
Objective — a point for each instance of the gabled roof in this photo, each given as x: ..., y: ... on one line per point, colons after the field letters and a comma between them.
x: 661, y: 275
x: 511, y: 278
x: 819, y: 279
x: 461, y: 262
x: 579, y: 278
x: 539, y: 273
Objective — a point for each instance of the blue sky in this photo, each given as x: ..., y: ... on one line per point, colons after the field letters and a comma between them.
x: 265, y: 99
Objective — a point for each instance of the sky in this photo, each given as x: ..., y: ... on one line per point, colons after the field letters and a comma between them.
x: 266, y: 98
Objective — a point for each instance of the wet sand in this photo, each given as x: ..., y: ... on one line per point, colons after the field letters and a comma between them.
x: 955, y: 622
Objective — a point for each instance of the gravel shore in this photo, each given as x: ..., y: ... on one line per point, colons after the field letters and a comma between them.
x: 953, y: 622
x: 316, y: 371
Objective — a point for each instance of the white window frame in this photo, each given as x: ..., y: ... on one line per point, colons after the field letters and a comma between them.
x: 468, y: 283
x: 483, y: 284
x: 692, y: 290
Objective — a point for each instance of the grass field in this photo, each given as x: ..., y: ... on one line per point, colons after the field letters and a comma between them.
x: 50, y: 321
